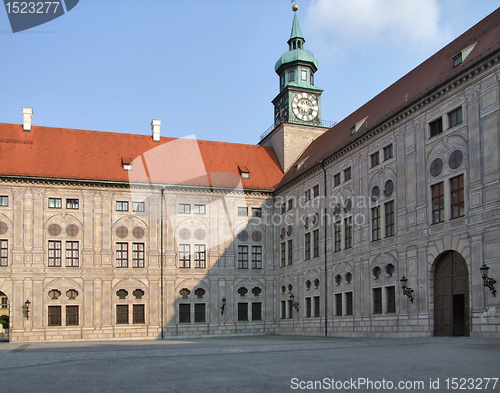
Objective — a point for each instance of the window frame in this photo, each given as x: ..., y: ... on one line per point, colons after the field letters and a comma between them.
x: 72, y: 204
x: 347, y: 174
x: 138, y: 314
x: 289, y: 245
x: 4, y: 200
x: 337, y: 235
x: 200, y: 256
x: 389, y: 212
x: 390, y: 299
x: 256, y: 257
x: 184, y: 256
x: 457, y: 203
x: 256, y: 311
x: 54, y: 315
x: 184, y: 208
x: 338, y: 305
x: 121, y: 206
x: 377, y: 301
x: 336, y: 179
x: 4, y: 252
x: 138, y: 207
x: 307, y: 246
x: 54, y: 203
x: 56, y: 259
x: 283, y: 254
x: 121, y: 257
x: 455, y: 117
x: 437, y: 202
x: 348, y: 232
x: 138, y: 255
x: 316, y: 243
x: 184, y: 312
x: 242, y: 312
x: 388, y: 152
x: 71, y: 259
x: 375, y: 223
x: 200, y: 312
x: 242, y: 256
x: 436, y: 127
x: 200, y: 209
x: 242, y: 211
x: 72, y: 315
x: 374, y: 159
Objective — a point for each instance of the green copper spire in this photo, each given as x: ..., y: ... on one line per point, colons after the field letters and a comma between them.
x: 295, y: 29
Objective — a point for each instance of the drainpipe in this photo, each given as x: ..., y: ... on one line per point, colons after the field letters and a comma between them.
x: 325, y: 216
x: 161, y: 262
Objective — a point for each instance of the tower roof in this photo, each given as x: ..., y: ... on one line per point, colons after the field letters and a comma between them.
x: 296, y: 33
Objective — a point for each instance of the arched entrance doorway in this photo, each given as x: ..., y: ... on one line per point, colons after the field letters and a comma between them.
x: 4, y: 317
x: 451, y: 295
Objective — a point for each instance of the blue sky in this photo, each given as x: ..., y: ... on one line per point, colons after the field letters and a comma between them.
x: 207, y: 67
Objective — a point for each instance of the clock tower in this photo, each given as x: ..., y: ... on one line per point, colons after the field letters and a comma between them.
x: 298, y: 101
x: 297, y: 107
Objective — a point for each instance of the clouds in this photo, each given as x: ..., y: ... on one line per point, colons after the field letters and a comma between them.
x: 341, y: 23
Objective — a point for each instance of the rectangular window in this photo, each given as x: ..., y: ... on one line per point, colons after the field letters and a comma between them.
x: 283, y: 208
x: 54, y: 253
x: 338, y: 304
x: 55, y: 203
x: 377, y: 300
x: 5, y: 303
x: 316, y: 191
x: 138, y: 314
x: 348, y: 232
x: 282, y: 80
x: 308, y: 307
x: 184, y: 255
x: 72, y: 204
x: 457, y: 196
x: 312, y: 79
x: 200, y: 256
x: 257, y: 311
x: 337, y: 227
x: 457, y: 60
x: 184, y: 208
x: 389, y: 219
x: 290, y: 252
x: 435, y: 127
x: 388, y: 152
x: 336, y: 179
x: 347, y: 174
x: 184, y: 313
x: 4, y: 200
x: 374, y: 160
x: 316, y: 306
x: 138, y: 206
x: 54, y: 314
x: 4, y: 260
x: 72, y: 254
x: 307, y: 246
x: 455, y: 117
x: 376, y: 223
x: 304, y: 75
x: 390, y: 295
x: 348, y: 303
x: 353, y: 130
x: 200, y: 209
x: 283, y: 309
x: 243, y: 211
x: 437, y: 192
x: 199, y: 312
x: 122, y: 255
x: 256, y: 257
x: 137, y: 254
x: 316, y: 243
x: 283, y: 254
x: 72, y: 316
x: 242, y: 311
x: 121, y: 206
x: 256, y: 212
x: 289, y: 204
x: 307, y: 194
x: 291, y: 76
x: 290, y: 309
x: 242, y: 257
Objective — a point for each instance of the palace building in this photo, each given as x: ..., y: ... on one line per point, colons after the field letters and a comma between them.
x: 384, y: 224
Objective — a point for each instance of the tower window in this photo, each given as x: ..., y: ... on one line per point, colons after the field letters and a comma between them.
x: 312, y: 79
x: 291, y: 76
x: 282, y: 80
x: 304, y: 75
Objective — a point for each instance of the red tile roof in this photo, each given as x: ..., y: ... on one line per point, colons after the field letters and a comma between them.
x: 58, y: 153
x: 427, y: 77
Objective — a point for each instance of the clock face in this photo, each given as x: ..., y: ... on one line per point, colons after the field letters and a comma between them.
x: 305, y: 106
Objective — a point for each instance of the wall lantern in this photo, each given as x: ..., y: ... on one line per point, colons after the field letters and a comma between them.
x: 294, y: 304
x: 488, y: 282
x: 26, y: 309
x: 406, y: 290
x: 223, y: 306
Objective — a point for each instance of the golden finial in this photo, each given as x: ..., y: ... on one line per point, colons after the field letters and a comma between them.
x: 295, y: 7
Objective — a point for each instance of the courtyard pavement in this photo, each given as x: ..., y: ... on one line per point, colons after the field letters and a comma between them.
x: 253, y: 364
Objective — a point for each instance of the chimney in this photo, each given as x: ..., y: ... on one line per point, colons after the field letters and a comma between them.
x: 27, y: 116
x: 155, y: 128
